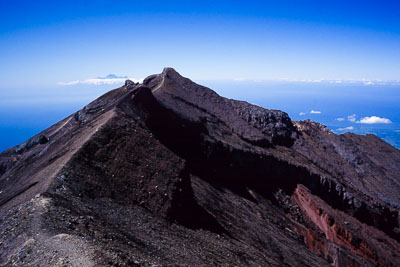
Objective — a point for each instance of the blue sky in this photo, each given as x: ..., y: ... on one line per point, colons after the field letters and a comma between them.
x: 43, y: 43
x: 338, y: 58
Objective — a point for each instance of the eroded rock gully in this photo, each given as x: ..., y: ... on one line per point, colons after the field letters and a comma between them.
x: 168, y: 172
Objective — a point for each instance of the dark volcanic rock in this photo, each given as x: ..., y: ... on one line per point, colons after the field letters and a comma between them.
x: 252, y: 124
x: 130, y: 84
x: 169, y: 173
x: 41, y: 139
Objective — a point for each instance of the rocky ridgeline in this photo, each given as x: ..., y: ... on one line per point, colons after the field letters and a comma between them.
x: 169, y: 172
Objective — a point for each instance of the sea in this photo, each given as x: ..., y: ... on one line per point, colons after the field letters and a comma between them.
x: 361, y: 108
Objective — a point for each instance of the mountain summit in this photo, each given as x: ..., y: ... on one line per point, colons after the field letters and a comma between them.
x: 167, y: 172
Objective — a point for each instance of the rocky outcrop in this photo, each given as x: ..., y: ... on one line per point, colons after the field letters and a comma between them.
x: 169, y: 172
x: 345, y: 231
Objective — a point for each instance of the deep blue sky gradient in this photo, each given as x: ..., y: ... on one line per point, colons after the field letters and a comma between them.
x: 45, y: 42
x: 252, y: 50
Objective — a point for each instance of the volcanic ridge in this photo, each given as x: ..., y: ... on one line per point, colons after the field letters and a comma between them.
x: 167, y: 172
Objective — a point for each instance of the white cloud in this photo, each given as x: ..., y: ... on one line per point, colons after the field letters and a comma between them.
x: 241, y: 79
x: 109, y: 79
x: 340, y: 119
x: 352, y: 117
x: 363, y: 81
x: 369, y: 83
x: 315, y: 112
x: 350, y: 128
x: 374, y: 120
x: 302, y: 113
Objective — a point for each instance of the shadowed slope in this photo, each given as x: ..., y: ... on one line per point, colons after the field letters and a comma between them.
x: 168, y: 172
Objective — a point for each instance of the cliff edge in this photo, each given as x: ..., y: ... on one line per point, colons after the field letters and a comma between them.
x: 167, y: 172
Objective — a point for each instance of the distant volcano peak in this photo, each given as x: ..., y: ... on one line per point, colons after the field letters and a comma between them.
x: 113, y: 76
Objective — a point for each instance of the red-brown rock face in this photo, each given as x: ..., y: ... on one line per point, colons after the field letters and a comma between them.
x: 346, y: 231
x: 168, y: 172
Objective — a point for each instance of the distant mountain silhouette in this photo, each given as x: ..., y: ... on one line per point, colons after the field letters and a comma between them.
x: 113, y: 76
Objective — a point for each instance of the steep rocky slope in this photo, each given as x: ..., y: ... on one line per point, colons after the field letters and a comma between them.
x: 168, y: 172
